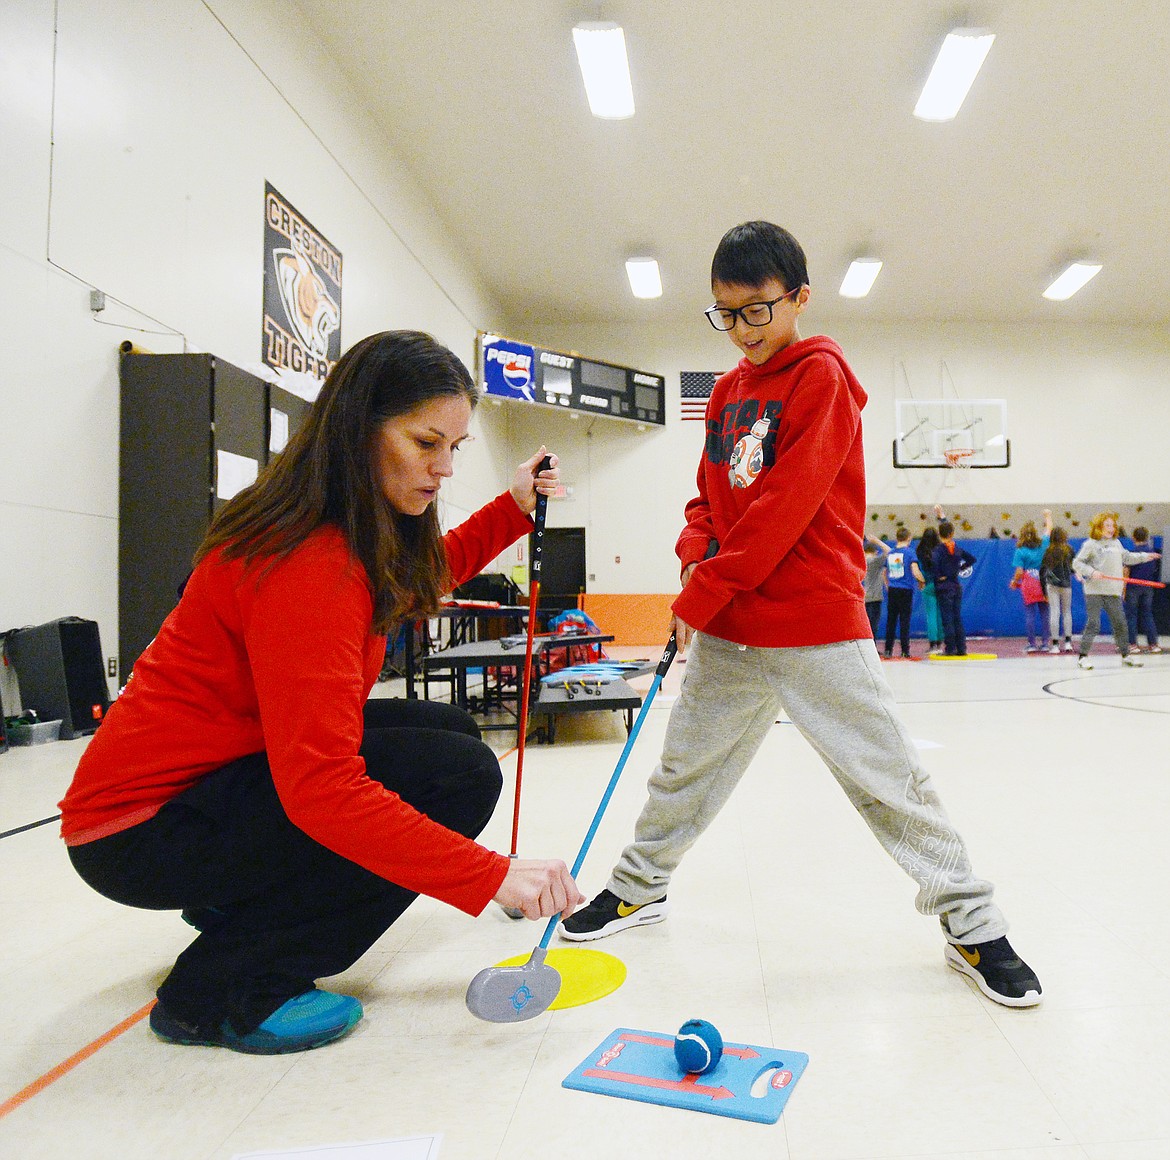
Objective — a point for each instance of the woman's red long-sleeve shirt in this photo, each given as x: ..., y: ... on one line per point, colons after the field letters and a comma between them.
x: 281, y: 658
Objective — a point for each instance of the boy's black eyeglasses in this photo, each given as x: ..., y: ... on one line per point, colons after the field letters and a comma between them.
x: 754, y: 313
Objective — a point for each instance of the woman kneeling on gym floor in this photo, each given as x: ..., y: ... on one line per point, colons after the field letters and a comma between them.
x: 244, y: 778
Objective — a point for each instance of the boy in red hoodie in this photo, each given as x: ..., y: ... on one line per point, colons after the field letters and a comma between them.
x: 772, y: 599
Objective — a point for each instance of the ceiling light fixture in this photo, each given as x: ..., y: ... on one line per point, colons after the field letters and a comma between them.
x: 601, y: 53
x: 952, y: 74
x: 1075, y: 276
x: 645, y: 280
x: 859, y: 278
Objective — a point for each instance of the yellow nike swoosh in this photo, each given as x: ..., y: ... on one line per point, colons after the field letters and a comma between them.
x: 971, y: 956
x: 624, y: 909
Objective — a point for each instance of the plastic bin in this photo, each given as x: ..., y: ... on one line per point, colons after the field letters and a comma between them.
x: 34, y: 734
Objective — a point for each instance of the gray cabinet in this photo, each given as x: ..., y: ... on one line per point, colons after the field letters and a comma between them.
x: 194, y: 430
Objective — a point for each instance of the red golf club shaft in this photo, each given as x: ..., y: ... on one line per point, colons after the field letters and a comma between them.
x: 533, y: 598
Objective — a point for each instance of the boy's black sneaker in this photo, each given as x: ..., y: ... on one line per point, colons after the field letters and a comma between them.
x: 997, y: 971
x: 607, y: 914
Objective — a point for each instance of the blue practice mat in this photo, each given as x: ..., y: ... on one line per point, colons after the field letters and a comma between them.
x: 749, y: 1083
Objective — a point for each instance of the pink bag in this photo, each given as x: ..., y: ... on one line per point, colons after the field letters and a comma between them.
x: 1031, y: 588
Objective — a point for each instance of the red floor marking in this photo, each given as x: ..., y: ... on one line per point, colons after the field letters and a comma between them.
x: 66, y: 1066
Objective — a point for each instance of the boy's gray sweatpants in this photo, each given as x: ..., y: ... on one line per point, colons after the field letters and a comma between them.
x: 837, y: 697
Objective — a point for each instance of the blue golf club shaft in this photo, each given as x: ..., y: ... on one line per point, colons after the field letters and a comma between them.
x: 659, y: 673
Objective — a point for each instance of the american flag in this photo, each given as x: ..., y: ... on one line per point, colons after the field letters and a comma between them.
x: 694, y: 391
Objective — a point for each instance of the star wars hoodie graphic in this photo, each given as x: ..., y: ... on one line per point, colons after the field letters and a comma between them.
x: 782, y: 490
x: 748, y: 455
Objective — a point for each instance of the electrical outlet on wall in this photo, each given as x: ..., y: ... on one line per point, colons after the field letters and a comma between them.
x: 111, y: 666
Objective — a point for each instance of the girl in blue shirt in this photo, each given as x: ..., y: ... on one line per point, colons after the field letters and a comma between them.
x: 1028, y: 557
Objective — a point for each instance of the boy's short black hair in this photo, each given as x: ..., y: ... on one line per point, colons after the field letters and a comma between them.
x: 1141, y: 534
x: 946, y: 529
x: 752, y: 253
x: 902, y: 533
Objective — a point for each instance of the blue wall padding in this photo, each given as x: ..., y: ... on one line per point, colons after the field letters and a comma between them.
x: 990, y: 607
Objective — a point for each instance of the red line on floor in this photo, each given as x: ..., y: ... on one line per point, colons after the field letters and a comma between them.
x: 55, y: 1073
x: 65, y: 1066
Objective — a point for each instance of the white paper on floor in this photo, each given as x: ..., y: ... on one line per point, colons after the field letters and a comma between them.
x: 403, y: 1148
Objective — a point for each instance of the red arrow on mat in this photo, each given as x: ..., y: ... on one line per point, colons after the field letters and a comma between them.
x: 653, y: 1040
x: 689, y: 1084
x: 661, y: 1041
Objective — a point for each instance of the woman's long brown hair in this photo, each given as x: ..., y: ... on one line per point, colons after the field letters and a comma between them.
x: 326, y: 475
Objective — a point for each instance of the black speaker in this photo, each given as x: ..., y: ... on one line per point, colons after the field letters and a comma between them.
x: 59, y: 668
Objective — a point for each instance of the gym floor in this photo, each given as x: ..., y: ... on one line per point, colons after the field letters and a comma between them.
x: 789, y: 927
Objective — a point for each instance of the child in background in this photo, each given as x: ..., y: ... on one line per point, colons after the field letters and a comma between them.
x: 949, y: 561
x: 925, y: 552
x: 902, y: 576
x: 1056, y: 576
x: 1029, y: 555
x: 1099, y: 564
x: 1139, y: 600
x: 875, y: 580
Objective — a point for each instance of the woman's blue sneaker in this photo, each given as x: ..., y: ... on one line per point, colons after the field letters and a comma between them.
x: 309, y: 1020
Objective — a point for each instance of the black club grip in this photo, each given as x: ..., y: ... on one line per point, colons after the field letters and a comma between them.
x: 539, y: 517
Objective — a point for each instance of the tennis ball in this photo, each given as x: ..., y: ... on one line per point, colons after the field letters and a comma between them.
x: 698, y: 1046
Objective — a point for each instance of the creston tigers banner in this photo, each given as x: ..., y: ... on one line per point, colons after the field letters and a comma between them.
x: 302, y: 292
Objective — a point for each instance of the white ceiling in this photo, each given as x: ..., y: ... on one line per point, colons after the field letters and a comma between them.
x: 795, y: 112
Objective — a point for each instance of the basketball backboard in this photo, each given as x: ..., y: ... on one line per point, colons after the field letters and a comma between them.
x: 926, y: 429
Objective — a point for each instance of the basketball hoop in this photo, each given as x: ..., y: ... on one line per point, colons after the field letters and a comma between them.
x: 958, y: 456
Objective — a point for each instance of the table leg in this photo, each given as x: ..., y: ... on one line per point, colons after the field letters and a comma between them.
x: 409, y: 655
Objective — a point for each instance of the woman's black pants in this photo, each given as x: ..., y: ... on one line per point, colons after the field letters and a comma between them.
x: 276, y: 909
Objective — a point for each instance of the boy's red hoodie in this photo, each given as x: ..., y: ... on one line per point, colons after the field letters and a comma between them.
x: 786, y: 504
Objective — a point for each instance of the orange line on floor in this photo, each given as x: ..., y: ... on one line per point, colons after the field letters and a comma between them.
x: 66, y: 1066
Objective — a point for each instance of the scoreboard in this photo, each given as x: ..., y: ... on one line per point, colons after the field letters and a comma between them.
x: 530, y: 374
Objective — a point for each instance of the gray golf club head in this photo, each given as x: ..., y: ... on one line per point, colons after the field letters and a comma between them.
x: 513, y: 994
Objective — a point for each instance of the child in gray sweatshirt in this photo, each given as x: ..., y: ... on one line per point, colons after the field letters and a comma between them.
x: 1099, y: 564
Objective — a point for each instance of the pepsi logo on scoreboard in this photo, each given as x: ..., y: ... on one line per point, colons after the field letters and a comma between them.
x: 509, y: 369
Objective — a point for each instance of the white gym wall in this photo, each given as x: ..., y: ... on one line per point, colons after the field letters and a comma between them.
x: 166, y: 122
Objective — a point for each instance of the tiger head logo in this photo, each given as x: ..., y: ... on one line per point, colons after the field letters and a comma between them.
x: 311, y: 312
